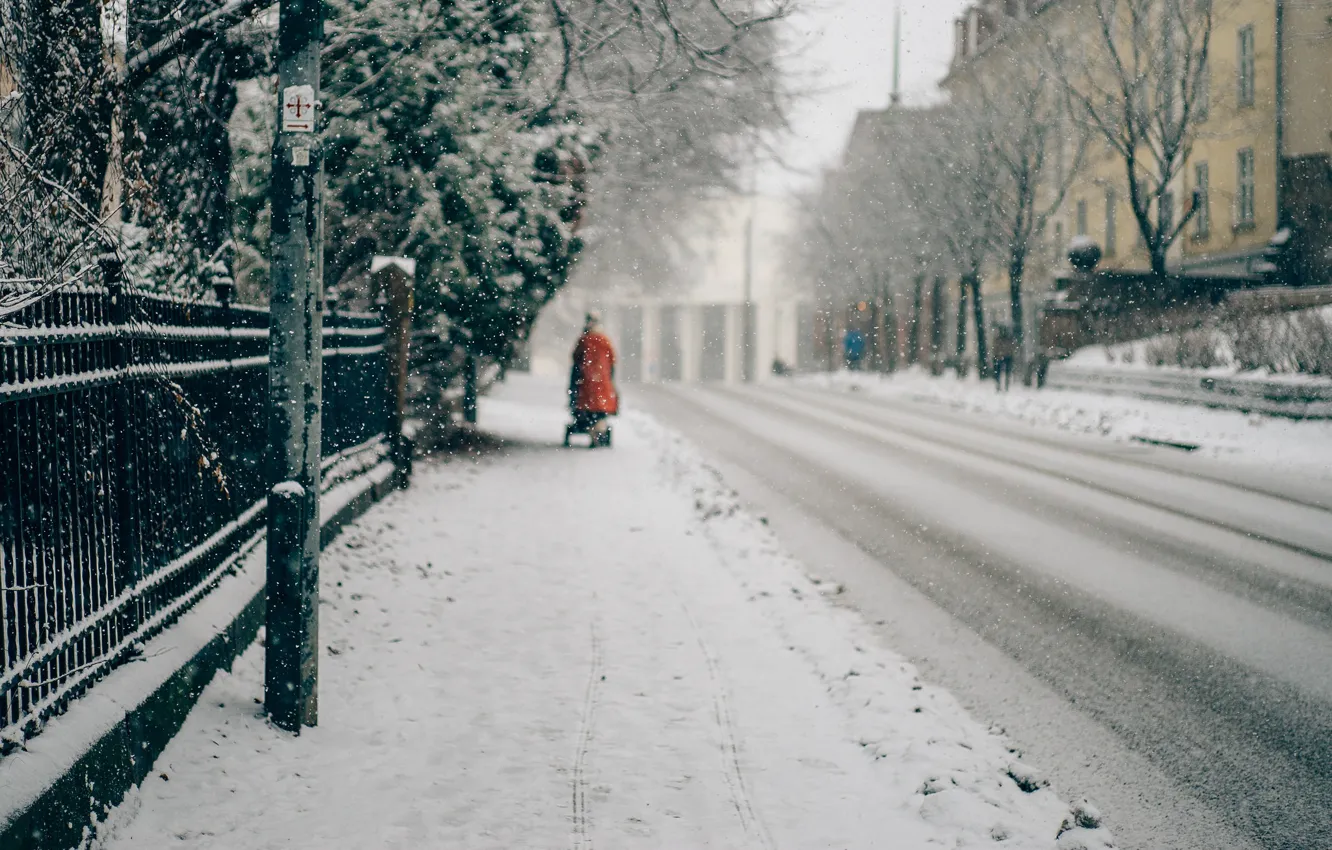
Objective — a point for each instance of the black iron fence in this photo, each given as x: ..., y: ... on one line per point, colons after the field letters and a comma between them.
x: 132, y: 471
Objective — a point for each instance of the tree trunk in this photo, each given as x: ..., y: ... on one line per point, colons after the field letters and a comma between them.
x: 880, y: 337
x: 1158, y: 253
x: 1017, y: 270
x: 960, y: 346
x: 830, y: 338
x: 913, y: 332
x: 978, y: 311
x: 115, y: 24
x: 936, y: 325
x: 890, y: 343
x: 220, y: 98
x: 59, y: 70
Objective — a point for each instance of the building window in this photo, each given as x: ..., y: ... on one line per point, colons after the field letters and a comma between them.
x: 1111, y: 236
x: 1202, y: 202
x: 1082, y: 218
x: 1245, y: 67
x: 1244, y: 189
x: 1059, y: 237
x: 1167, y: 211
x: 1202, y: 99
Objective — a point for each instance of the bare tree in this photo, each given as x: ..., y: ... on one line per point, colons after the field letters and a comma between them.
x: 864, y: 240
x: 955, y: 182
x: 1038, y: 153
x: 683, y: 93
x: 863, y: 234
x: 1139, y: 82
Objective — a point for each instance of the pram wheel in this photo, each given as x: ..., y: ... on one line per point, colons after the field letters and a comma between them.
x: 589, y: 424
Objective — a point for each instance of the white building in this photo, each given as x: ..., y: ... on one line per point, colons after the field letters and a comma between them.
x: 694, y: 329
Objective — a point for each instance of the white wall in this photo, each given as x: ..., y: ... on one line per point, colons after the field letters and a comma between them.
x: 714, y: 274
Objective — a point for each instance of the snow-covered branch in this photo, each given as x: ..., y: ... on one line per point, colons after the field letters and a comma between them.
x: 186, y: 38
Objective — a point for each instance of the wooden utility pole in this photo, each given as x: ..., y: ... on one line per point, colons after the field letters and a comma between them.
x: 291, y: 671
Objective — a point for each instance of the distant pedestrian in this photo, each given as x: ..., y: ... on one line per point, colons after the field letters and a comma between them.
x: 853, y: 347
x: 592, y: 394
x: 1005, y: 350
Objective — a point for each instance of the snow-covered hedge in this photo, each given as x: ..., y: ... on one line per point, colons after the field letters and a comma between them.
x: 1296, y: 343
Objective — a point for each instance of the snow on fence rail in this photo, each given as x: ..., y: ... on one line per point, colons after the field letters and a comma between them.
x: 1299, y: 400
x: 132, y: 446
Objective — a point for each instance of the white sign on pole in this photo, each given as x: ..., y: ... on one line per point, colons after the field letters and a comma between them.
x: 298, y: 109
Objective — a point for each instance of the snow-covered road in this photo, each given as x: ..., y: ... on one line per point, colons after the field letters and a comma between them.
x: 543, y: 648
x: 1156, y: 628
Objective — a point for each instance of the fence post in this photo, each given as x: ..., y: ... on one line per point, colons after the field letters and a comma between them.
x: 295, y: 369
x: 331, y: 427
x: 224, y: 289
x: 129, y: 553
x: 394, y: 279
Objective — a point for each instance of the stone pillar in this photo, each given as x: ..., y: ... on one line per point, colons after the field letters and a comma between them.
x: 691, y: 343
x: 735, y: 343
x: 610, y: 320
x: 651, y: 354
x: 787, y: 332
x: 763, y: 342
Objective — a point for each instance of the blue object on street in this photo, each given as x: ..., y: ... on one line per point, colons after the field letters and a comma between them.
x: 854, y: 345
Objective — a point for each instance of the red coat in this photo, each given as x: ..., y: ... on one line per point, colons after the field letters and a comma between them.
x: 593, y: 386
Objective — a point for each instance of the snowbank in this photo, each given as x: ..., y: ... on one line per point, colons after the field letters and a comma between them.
x: 1256, y: 440
x: 956, y: 775
x: 535, y: 647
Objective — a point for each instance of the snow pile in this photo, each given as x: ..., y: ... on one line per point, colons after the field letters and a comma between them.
x: 1252, y: 439
x: 952, y: 773
x: 536, y: 647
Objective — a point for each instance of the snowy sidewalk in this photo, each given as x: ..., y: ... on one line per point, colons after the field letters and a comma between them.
x: 539, y: 648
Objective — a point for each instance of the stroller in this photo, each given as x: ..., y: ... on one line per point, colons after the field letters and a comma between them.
x: 583, y: 423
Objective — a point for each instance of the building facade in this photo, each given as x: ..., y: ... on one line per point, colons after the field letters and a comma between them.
x: 1257, y: 170
x: 1260, y: 142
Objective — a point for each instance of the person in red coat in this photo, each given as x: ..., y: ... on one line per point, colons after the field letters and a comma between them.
x: 592, y: 395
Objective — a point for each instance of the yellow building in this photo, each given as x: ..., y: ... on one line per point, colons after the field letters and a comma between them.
x: 1260, y: 158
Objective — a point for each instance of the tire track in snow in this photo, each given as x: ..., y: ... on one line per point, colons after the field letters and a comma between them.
x: 1226, y: 739
x: 732, y: 770
x: 582, y: 839
x: 891, y: 421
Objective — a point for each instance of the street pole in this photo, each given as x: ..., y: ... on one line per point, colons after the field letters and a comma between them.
x: 291, y: 670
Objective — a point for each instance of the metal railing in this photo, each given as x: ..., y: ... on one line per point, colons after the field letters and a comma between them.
x: 133, y: 434
x: 1292, y: 399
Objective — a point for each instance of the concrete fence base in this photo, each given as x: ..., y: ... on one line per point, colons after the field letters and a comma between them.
x: 1296, y: 400
x: 89, y: 758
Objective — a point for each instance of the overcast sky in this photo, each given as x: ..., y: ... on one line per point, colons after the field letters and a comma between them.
x: 846, y: 61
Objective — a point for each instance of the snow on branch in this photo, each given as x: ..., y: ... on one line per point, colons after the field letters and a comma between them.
x: 185, y: 39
